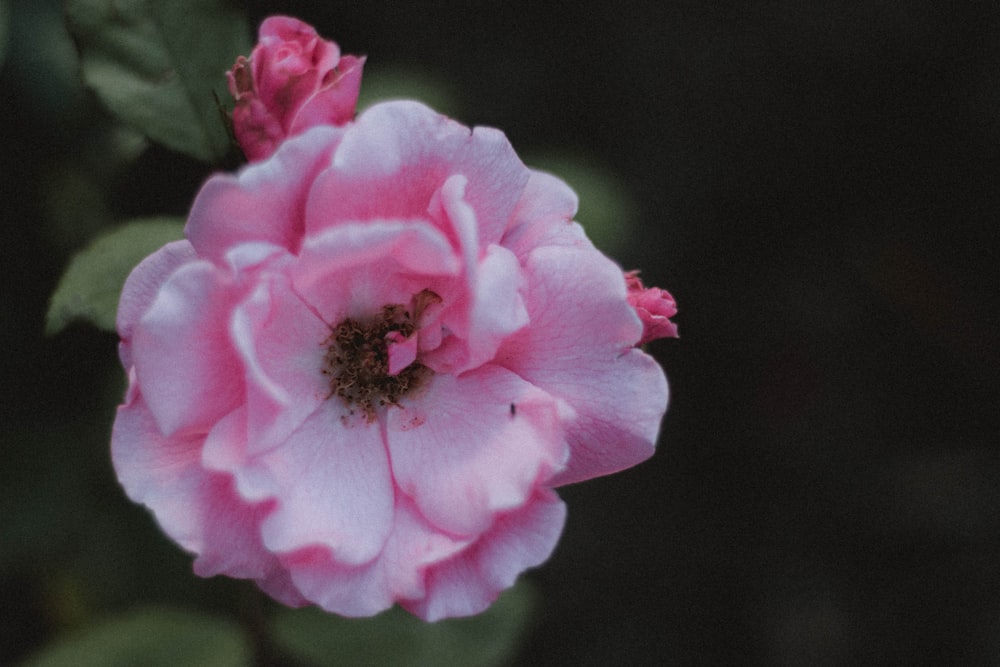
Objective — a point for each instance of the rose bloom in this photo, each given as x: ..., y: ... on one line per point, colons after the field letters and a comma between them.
x: 292, y: 81
x: 360, y: 378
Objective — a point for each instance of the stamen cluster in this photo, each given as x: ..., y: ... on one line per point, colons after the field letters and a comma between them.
x: 357, y: 361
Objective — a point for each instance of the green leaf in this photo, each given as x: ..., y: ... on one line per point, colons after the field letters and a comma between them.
x: 155, y: 64
x: 397, y: 638
x: 151, y: 637
x: 90, y: 288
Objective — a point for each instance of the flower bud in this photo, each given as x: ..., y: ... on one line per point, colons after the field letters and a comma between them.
x: 292, y: 81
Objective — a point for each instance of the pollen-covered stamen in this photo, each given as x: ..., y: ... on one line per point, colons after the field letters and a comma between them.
x: 357, y: 360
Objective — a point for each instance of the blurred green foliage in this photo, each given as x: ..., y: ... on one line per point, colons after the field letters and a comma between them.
x: 400, y: 81
x: 606, y: 210
x: 151, y: 637
x: 90, y: 288
x: 156, y: 64
x: 397, y: 638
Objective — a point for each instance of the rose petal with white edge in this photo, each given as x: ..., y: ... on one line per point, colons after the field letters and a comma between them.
x: 265, y: 201
x: 468, y: 583
x: 355, y: 270
x: 398, y: 573
x: 184, y: 361
x: 396, y: 155
x: 281, y: 343
x: 141, y: 287
x: 197, y: 508
x: 544, y: 216
x: 331, y: 485
x: 579, y: 347
x: 465, y: 448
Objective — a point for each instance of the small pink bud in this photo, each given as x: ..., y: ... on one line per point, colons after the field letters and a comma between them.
x: 292, y: 81
x: 654, y: 306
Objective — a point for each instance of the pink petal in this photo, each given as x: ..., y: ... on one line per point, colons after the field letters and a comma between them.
x: 396, y: 155
x: 141, y: 287
x: 265, y: 201
x: 331, y: 485
x: 579, y: 347
x: 398, y: 573
x: 402, y: 351
x: 471, y: 581
x: 184, y: 361
x: 197, y: 508
x: 280, y: 342
x: 258, y: 132
x: 356, y: 269
x: 488, y: 306
x: 465, y: 448
x: 334, y: 103
x: 162, y: 473
x: 544, y: 216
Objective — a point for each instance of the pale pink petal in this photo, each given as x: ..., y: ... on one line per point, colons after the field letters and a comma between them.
x: 467, y: 447
x: 280, y: 342
x: 488, y: 307
x: 184, y: 361
x: 165, y: 474
x: 402, y: 351
x: 396, y: 155
x: 579, y: 347
x: 225, y: 446
x: 141, y: 287
x: 355, y: 270
x: 544, y: 216
x: 468, y: 583
x: 197, y: 508
x: 331, y: 485
x: 265, y: 201
x: 398, y: 573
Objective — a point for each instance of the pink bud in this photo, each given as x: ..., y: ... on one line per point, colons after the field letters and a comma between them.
x: 292, y: 81
x: 653, y: 306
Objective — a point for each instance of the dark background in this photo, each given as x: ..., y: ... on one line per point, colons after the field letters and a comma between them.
x: 815, y: 182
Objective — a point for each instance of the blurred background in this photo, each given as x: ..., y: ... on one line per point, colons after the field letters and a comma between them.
x: 816, y: 182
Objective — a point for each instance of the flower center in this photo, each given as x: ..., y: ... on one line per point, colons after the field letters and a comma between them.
x: 357, y: 361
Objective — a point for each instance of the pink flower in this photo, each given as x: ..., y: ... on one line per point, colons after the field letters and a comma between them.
x: 654, y: 306
x: 292, y: 81
x: 379, y: 351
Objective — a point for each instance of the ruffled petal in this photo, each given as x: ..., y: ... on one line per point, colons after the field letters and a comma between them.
x: 352, y: 271
x: 265, y: 201
x: 184, y: 361
x: 579, y: 347
x: 398, y: 573
x: 141, y: 287
x: 486, y: 306
x: 197, y: 508
x: 396, y: 155
x: 468, y: 583
x: 544, y: 216
x: 280, y: 341
x: 331, y: 485
x: 465, y: 448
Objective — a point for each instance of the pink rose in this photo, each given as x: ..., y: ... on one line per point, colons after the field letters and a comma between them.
x: 654, y: 306
x: 379, y: 351
x: 292, y: 81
